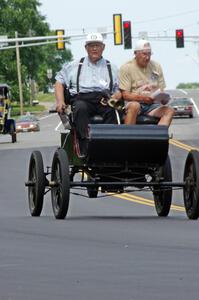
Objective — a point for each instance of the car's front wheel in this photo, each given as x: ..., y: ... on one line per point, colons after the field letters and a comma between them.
x: 60, y: 193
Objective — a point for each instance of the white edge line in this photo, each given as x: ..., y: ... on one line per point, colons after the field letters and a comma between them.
x: 195, y: 106
x: 184, y: 92
x: 48, y: 116
x: 57, y: 128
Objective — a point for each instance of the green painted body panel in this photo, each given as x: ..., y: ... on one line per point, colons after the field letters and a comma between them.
x: 67, y: 143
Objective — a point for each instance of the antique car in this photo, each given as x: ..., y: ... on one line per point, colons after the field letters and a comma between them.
x: 7, y: 125
x: 119, y: 158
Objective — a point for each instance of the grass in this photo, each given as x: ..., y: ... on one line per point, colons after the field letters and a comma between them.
x: 37, y: 109
x: 46, y: 97
x: 34, y: 109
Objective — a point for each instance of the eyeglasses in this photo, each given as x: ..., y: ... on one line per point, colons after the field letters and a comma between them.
x: 98, y: 46
x: 146, y: 53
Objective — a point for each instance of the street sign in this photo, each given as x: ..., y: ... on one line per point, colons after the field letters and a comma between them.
x: 3, y: 37
x: 49, y: 73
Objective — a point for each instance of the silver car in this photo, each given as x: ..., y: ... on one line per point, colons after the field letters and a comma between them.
x: 183, y: 106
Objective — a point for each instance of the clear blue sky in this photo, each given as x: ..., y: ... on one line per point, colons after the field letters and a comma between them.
x: 155, y: 17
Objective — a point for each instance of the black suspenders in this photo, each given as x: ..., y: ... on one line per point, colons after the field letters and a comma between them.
x: 109, y: 72
x: 78, y: 72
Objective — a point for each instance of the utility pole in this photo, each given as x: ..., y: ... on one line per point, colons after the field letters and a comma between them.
x: 19, y: 74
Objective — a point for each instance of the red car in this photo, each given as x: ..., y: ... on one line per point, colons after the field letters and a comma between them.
x: 27, y: 123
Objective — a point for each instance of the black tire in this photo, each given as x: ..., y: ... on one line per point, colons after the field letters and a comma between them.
x: 60, y: 194
x: 92, y: 191
x: 14, y: 137
x: 37, y: 177
x: 13, y: 132
x: 191, y: 189
x: 163, y: 196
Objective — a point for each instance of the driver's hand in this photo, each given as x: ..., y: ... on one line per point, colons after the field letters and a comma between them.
x: 117, y: 96
x: 61, y: 107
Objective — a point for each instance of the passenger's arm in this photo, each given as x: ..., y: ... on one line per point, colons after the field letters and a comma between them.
x: 59, y: 95
x: 128, y: 96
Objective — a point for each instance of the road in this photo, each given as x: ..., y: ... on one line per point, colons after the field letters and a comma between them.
x: 108, y: 248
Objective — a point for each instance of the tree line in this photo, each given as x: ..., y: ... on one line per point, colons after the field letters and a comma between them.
x: 188, y: 85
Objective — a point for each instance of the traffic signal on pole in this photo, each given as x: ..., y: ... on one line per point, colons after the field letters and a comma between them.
x: 179, y: 38
x: 60, y: 39
x: 117, y: 29
x: 127, y: 35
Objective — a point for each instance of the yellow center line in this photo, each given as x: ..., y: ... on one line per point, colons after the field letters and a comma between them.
x: 134, y: 199
x: 145, y: 201
x: 182, y: 145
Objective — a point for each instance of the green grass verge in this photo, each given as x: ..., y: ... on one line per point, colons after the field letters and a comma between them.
x: 34, y: 109
x: 46, y: 97
x: 37, y: 109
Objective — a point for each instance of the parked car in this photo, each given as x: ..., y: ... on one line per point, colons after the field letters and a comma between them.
x: 183, y: 106
x: 27, y: 123
x: 35, y: 102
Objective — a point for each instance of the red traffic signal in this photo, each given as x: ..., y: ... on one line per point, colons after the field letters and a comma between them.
x: 179, y: 38
x: 127, y: 35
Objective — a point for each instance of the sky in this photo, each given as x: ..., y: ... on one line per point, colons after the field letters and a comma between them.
x: 154, y: 17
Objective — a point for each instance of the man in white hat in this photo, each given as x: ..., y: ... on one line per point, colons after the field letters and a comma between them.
x: 87, y: 86
x: 139, y: 79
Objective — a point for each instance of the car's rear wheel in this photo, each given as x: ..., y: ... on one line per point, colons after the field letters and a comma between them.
x: 36, y: 188
x: 14, y: 137
x: 163, y: 195
x: 13, y: 132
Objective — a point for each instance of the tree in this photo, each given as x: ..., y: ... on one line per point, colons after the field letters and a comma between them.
x: 59, y: 57
x: 23, y: 16
x: 188, y: 85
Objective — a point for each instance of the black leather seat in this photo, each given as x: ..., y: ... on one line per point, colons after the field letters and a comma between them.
x: 141, y: 119
x: 97, y: 119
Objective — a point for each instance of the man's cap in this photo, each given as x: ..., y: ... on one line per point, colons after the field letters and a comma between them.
x: 141, y: 45
x: 94, y: 38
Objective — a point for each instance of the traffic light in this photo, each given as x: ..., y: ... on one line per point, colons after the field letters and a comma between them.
x: 60, y: 39
x: 117, y: 29
x: 127, y: 35
x: 179, y: 38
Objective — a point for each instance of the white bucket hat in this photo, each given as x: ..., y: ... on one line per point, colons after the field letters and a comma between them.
x: 94, y: 37
x: 141, y: 45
